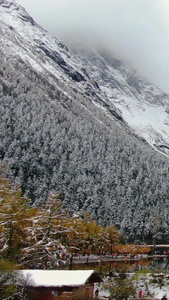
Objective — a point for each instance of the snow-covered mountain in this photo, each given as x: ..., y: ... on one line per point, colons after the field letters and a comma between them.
x: 141, y: 104
x: 85, y: 125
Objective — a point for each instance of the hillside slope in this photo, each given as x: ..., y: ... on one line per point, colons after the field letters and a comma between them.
x: 61, y: 130
x: 142, y: 105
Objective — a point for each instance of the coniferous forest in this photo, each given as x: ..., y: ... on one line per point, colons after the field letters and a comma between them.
x: 50, y: 141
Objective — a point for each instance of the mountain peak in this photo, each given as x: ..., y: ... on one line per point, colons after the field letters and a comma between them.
x: 16, y: 10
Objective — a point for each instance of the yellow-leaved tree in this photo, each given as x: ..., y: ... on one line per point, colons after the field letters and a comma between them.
x: 14, y: 218
x: 112, y: 238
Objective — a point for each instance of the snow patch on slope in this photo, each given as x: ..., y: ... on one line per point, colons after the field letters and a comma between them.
x: 149, y: 121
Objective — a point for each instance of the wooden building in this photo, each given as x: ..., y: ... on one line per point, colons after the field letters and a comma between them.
x: 58, y: 284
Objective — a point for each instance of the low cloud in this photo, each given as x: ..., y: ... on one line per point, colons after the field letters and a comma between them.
x: 134, y: 30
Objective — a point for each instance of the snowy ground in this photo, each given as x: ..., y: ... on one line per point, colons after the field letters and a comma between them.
x: 158, y: 293
x: 150, y: 290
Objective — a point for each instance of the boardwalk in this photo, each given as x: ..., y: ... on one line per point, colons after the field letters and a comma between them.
x: 92, y: 259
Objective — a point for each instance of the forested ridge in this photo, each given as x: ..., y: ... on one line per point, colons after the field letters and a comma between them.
x: 51, y: 141
x: 58, y: 134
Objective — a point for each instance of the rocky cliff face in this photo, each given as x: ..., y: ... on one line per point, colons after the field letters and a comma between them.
x: 84, y: 125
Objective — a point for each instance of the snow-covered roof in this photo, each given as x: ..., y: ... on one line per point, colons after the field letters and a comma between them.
x: 56, y: 278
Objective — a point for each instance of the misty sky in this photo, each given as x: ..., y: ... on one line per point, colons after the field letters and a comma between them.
x: 136, y: 30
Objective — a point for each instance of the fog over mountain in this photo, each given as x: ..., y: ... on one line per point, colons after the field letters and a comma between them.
x: 134, y: 30
x: 83, y: 124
